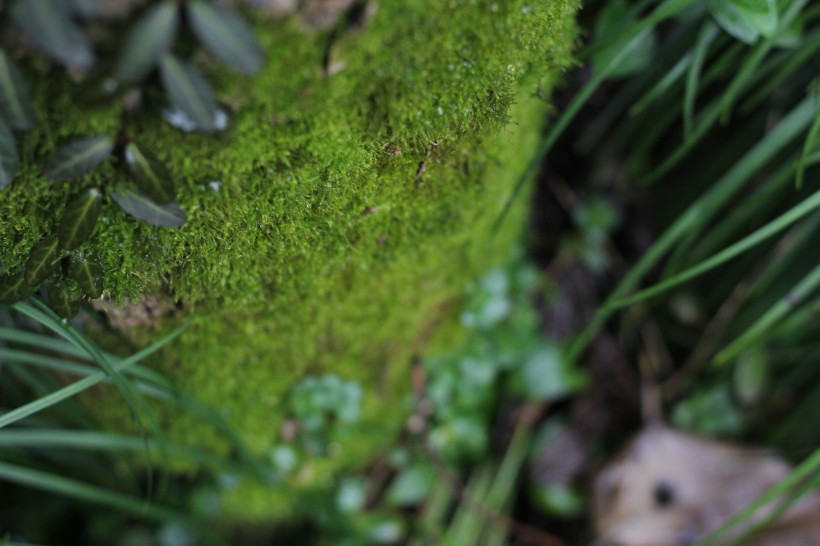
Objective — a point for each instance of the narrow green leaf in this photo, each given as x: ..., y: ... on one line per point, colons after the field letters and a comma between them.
x: 732, y: 20
x: 226, y: 36
x: 8, y: 156
x: 142, y: 208
x: 79, y: 219
x: 60, y: 485
x: 705, y: 38
x: 189, y: 91
x: 48, y: 25
x: 88, y: 273
x: 760, y: 14
x: 15, y: 96
x: 77, y: 387
x: 42, y: 260
x: 14, y: 288
x: 151, y: 36
x: 151, y: 174
x: 63, y: 300
x: 77, y: 158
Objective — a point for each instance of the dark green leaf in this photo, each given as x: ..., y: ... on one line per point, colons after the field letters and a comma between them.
x: 48, y: 25
x: 42, y: 260
x: 15, y: 97
x: 153, y: 177
x: 614, y: 16
x: 64, y: 299
x: 732, y: 21
x: 8, y: 155
x: 79, y: 219
x: 14, y: 288
x: 142, y: 208
x: 88, y: 273
x: 77, y: 158
x: 189, y: 91
x: 226, y: 36
x: 149, y: 39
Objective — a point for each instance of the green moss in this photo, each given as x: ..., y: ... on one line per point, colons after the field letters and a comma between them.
x: 322, y: 246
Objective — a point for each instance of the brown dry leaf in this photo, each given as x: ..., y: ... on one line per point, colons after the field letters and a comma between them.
x: 672, y: 489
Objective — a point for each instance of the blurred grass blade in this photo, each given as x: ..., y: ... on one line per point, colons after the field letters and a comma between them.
x: 699, y: 213
x: 806, y: 469
x: 758, y: 236
x: 705, y: 39
x: 59, y: 485
x: 83, y: 384
x: 808, y: 147
x: 786, y: 304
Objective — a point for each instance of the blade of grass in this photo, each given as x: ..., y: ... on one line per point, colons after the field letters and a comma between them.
x: 60, y: 485
x: 707, y: 35
x: 803, y: 471
x: 84, y: 384
x: 697, y: 214
x: 774, y: 315
x: 101, y: 441
x: 758, y: 236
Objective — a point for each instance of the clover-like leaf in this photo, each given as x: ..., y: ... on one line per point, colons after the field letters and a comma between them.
x: 189, y: 91
x: 152, y: 176
x: 48, y: 25
x: 746, y: 20
x: 88, y: 273
x: 760, y: 14
x: 226, y: 36
x: 15, y: 96
x: 64, y: 299
x: 144, y: 209
x: 14, y: 288
x: 79, y: 219
x: 42, y: 260
x: 8, y: 155
x: 78, y: 158
x: 151, y: 36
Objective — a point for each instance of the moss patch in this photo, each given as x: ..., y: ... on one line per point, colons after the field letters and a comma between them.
x: 333, y: 222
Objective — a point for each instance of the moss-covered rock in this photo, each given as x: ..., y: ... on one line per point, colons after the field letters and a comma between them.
x: 332, y: 224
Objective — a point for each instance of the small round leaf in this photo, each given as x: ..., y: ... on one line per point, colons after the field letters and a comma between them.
x: 63, y: 299
x: 144, y: 209
x: 152, y: 176
x: 189, y: 91
x: 48, y: 25
x: 88, y: 273
x: 79, y: 219
x: 42, y: 260
x: 14, y: 288
x: 226, y: 36
x: 151, y: 36
x: 77, y: 158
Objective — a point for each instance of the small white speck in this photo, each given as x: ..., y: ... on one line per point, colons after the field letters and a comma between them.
x: 215, y: 185
x: 440, y: 111
x: 526, y: 10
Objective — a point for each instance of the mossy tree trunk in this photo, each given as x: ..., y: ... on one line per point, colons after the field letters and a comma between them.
x: 332, y: 225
